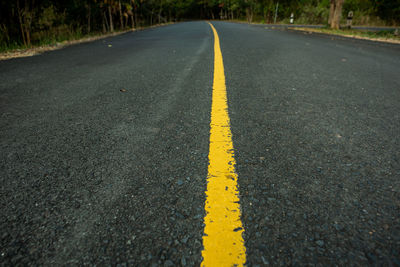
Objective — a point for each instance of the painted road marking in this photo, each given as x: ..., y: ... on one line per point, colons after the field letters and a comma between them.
x: 223, y: 241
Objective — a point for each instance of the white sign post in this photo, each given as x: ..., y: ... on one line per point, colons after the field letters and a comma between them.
x: 349, y: 19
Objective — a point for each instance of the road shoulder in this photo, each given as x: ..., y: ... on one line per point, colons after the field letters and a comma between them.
x: 37, y: 50
x: 329, y: 32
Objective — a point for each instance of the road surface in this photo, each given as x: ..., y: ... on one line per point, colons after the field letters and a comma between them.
x: 105, y: 148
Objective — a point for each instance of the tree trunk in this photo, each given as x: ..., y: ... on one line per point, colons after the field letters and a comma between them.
x: 159, y: 15
x: 89, y: 14
x: 104, y: 24
x: 136, y: 16
x: 21, y: 23
x: 247, y: 10
x: 276, y: 12
x: 335, y: 22
x: 133, y: 21
x: 28, y: 36
x: 121, y: 19
x: 111, y: 21
x: 249, y: 14
x: 331, y: 11
x: 105, y: 21
x: 28, y: 17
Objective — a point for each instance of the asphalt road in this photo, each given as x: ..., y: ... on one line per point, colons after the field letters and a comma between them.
x: 104, y: 148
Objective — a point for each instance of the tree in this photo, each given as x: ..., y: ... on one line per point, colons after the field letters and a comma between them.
x: 335, y: 13
x: 25, y: 16
x: 110, y: 8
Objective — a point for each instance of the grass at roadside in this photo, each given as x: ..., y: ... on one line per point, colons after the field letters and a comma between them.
x: 382, y: 36
x: 15, y: 51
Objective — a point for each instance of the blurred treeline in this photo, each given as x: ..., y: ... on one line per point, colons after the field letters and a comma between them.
x: 32, y: 22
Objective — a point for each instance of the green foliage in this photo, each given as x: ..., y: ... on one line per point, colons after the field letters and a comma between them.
x: 4, y: 37
x: 314, y: 14
x: 47, y: 17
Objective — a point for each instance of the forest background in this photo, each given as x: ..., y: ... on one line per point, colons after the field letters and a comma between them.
x: 26, y: 23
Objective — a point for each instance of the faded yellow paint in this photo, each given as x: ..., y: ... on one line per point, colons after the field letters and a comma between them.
x: 223, y: 242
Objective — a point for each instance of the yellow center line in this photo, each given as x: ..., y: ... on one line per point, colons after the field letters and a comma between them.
x: 223, y: 241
